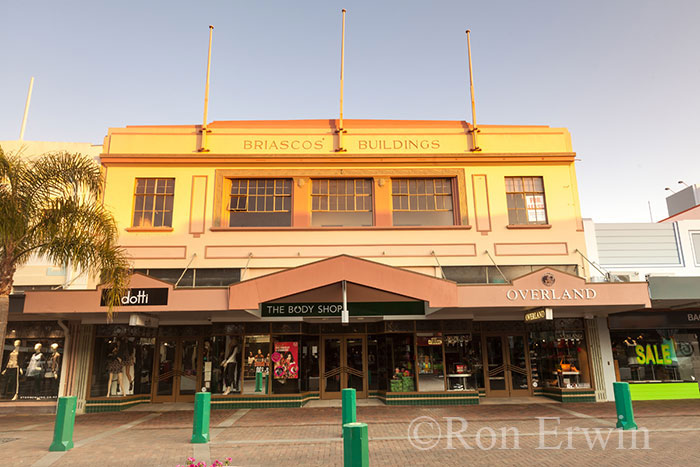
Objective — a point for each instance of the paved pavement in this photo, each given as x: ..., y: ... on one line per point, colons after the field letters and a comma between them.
x: 527, y: 434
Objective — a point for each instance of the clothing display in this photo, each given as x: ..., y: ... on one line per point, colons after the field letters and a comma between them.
x: 231, y: 372
x: 114, y: 365
x: 36, y: 365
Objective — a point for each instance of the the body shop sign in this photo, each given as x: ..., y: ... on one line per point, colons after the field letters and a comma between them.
x: 140, y: 297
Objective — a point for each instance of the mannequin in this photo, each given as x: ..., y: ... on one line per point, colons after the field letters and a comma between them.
x: 13, y: 366
x: 631, y: 355
x: 127, y: 354
x: 36, y: 369
x: 114, y: 368
x: 53, y: 367
x: 231, y: 369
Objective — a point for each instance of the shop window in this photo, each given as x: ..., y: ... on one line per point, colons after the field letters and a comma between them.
x: 378, y: 364
x: 525, y: 198
x: 463, y: 362
x: 422, y: 201
x: 257, y: 360
x: 260, y: 203
x: 31, y: 368
x: 431, y: 371
x: 400, y: 348
x: 122, y: 366
x: 559, y: 359
x: 153, y: 202
x: 309, y: 364
x: 695, y: 238
x: 656, y: 355
x: 210, y: 277
x: 285, y: 365
x: 222, y: 364
x: 494, y: 275
x: 341, y: 202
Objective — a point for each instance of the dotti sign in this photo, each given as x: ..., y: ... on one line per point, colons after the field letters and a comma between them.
x: 140, y: 297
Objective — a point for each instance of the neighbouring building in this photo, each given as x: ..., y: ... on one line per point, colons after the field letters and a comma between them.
x: 656, y: 350
x: 41, y: 385
x: 463, y: 271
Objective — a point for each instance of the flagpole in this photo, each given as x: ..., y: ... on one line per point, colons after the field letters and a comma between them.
x: 474, y: 130
x: 205, y: 130
x: 26, y: 109
x: 341, y: 128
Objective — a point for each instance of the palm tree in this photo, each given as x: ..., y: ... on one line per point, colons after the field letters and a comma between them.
x: 51, y: 207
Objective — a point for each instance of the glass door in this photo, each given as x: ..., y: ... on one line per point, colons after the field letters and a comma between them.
x: 344, y: 366
x: 177, y: 370
x: 518, y: 366
x: 507, y: 366
x: 496, y: 384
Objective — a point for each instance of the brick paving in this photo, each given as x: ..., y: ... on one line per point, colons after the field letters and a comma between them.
x: 311, y: 437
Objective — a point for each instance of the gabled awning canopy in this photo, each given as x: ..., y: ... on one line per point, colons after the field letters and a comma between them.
x: 437, y: 293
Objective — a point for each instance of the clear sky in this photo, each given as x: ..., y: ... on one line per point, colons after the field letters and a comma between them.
x: 621, y: 75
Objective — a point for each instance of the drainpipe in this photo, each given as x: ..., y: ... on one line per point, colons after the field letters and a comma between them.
x: 64, y: 361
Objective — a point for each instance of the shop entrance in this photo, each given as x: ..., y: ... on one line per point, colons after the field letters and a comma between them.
x: 507, y: 365
x: 343, y: 365
x: 177, y: 369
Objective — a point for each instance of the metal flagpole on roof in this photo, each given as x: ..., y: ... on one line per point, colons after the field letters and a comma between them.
x: 26, y: 109
x: 474, y: 130
x: 205, y: 130
x: 341, y: 129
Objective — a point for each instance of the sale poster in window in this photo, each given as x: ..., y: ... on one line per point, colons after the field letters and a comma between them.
x: 284, y: 360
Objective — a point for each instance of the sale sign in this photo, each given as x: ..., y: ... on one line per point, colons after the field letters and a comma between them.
x: 285, y: 360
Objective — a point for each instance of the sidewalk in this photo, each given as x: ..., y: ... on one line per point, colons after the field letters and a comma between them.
x: 481, y: 435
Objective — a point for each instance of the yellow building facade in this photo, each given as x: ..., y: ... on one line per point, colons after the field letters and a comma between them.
x: 279, y: 262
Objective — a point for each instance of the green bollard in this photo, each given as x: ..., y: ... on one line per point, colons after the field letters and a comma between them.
x: 355, y: 445
x: 623, y: 404
x: 258, y: 381
x: 200, y: 423
x: 65, y: 420
x: 349, y: 406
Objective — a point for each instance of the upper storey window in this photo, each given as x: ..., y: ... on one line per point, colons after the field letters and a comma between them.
x: 341, y: 202
x: 260, y: 203
x: 153, y: 202
x: 525, y: 196
x: 422, y: 201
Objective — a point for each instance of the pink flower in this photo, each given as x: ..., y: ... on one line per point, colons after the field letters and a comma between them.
x: 190, y: 459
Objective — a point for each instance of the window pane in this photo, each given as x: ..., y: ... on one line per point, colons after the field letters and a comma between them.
x: 158, y: 219
x: 140, y: 185
x: 538, y: 184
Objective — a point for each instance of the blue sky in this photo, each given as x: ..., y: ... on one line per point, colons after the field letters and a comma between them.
x: 621, y: 75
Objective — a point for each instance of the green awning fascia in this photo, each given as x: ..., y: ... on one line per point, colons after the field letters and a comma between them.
x: 674, y: 288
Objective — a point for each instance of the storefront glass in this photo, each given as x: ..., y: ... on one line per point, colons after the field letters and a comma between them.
x: 431, y: 370
x: 464, y: 363
x: 257, y: 360
x: 401, y: 351
x: 558, y: 354
x: 123, y: 366
x: 377, y: 362
x: 308, y: 366
x: 31, y: 366
x: 656, y: 355
x: 286, y: 365
x: 222, y: 363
